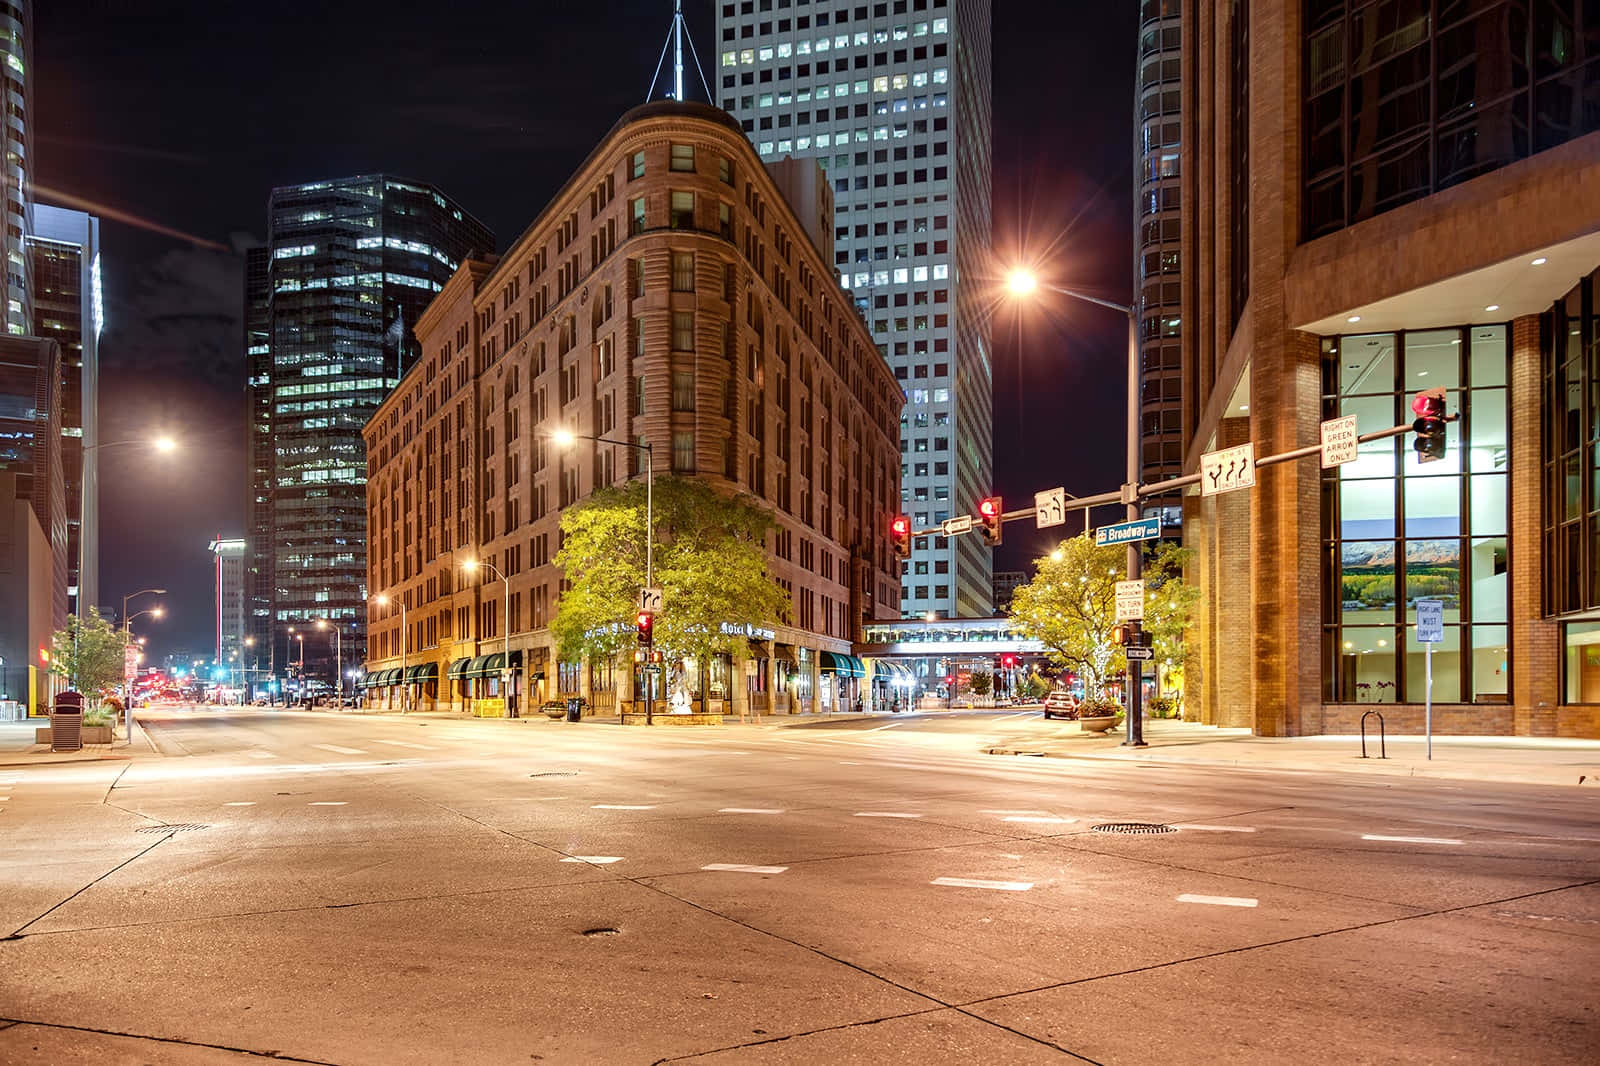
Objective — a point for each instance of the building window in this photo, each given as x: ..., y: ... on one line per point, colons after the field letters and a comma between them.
x: 1571, y: 411
x: 683, y: 390
x: 682, y: 271
x: 637, y: 209
x: 1397, y: 529
x: 683, y: 451
x: 683, y: 331
x: 637, y: 170
x: 683, y: 157
x: 1581, y: 663
x: 682, y: 209
x: 725, y: 170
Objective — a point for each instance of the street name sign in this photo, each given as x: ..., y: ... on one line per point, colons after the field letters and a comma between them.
x: 956, y: 525
x: 1339, y: 443
x: 1130, y: 601
x: 1430, y: 621
x: 1229, y: 469
x: 650, y: 599
x: 1139, y: 654
x: 1123, y: 532
x: 1050, y: 508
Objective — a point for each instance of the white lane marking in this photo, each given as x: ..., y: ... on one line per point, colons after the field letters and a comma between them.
x: 261, y: 755
x: 735, y: 868
x: 326, y: 803
x: 1038, y: 818
x: 881, y: 728
x: 408, y: 744
x: 336, y: 748
x: 240, y: 803
x: 621, y: 807
x: 1218, y: 901
x: 1214, y: 828
x: 967, y: 882
x: 597, y: 860
x: 847, y: 762
x: 1410, y: 840
x: 885, y: 814
x: 751, y: 810
x: 3, y: 799
x: 1015, y: 812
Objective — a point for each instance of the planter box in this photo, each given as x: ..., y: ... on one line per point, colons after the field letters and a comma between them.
x: 99, y: 734
x: 1097, y: 725
x: 630, y: 718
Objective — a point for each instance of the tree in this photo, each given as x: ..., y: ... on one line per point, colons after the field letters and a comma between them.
x: 981, y: 683
x: 710, y: 562
x: 1168, y: 605
x: 1070, y: 607
x: 88, y: 653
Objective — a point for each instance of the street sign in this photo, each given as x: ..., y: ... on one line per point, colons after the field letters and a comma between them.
x: 1430, y: 621
x: 1339, y: 444
x: 1229, y: 469
x: 650, y: 599
x: 130, y: 662
x: 1138, y: 654
x: 1050, y: 508
x: 1123, y: 532
x: 958, y: 524
x: 1130, y: 601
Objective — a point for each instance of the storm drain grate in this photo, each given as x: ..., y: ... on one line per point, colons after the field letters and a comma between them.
x: 556, y: 773
x: 178, y: 827
x: 1133, y: 828
x: 604, y: 930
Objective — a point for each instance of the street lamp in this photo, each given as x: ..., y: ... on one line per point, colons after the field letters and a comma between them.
x: 127, y: 707
x: 1022, y: 283
x: 405, y: 689
x: 338, y: 656
x: 471, y: 566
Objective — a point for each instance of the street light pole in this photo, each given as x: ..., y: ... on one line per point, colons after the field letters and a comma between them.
x: 505, y: 666
x: 338, y: 659
x: 1022, y: 282
x: 127, y: 689
x: 405, y: 687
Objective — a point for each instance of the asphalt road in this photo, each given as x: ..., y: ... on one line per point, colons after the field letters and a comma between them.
x: 343, y: 889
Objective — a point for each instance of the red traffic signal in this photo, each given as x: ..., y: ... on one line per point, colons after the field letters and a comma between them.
x: 1429, y: 426
x: 900, y: 533
x: 990, y: 512
x: 1008, y: 661
x: 647, y: 627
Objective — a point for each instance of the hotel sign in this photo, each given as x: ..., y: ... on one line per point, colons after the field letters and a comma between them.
x: 745, y: 629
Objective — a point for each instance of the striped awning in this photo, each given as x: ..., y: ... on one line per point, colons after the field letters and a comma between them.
x: 482, y: 666
x: 890, y: 668
x: 458, y: 669
x: 424, y: 672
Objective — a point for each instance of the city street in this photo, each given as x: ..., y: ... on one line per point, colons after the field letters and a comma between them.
x: 375, y: 889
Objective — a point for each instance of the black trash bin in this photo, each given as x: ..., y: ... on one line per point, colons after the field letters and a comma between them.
x: 66, y: 722
x: 575, y: 709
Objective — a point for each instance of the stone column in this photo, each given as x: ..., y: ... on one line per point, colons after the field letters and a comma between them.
x: 1535, y: 641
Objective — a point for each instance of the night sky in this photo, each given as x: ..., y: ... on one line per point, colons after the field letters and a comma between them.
x: 185, y: 114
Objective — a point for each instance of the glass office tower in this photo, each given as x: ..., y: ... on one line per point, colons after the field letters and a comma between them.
x: 350, y: 266
x: 893, y: 101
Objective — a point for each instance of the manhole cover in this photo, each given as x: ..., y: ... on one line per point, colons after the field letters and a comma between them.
x: 1132, y: 827
x: 602, y: 931
x: 180, y: 827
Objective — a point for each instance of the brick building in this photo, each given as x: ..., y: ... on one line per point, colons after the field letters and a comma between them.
x: 1399, y: 197
x: 669, y: 294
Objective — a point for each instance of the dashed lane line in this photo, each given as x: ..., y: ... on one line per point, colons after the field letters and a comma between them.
x: 596, y: 860
x: 1218, y: 901
x: 622, y: 807
x: 1033, y: 818
x: 326, y: 803
x: 751, y: 810
x: 338, y: 750
x: 736, y: 868
x: 240, y: 803
x: 1214, y: 828
x: 885, y: 814
x: 968, y: 882
x: 1410, y: 840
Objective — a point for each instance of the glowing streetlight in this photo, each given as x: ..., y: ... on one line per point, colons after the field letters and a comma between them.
x: 471, y: 566
x: 1022, y: 282
x: 383, y: 600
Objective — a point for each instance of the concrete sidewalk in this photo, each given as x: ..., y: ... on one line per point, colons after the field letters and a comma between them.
x: 1526, y: 760
x: 17, y: 746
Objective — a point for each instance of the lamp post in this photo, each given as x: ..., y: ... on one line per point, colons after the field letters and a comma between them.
x: 405, y: 689
x: 127, y: 707
x: 338, y: 657
x: 301, y: 637
x: 470, y: 566
x: 1023, y: 283
x: 89, y: 533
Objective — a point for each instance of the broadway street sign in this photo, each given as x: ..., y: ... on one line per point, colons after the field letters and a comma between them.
x: 1123, y: 532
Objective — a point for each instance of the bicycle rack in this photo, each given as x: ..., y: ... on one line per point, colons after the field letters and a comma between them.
x: 1383, y: 752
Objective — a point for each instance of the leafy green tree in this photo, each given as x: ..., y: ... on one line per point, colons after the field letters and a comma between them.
x: 982, y: 683
x: 1168, y: 606
x: 1070, y: 607
x: 88, y: 653
x: 710, y: 561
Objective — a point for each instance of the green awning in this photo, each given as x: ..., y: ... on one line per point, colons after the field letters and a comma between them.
x: 425, y: 672
x: 842, y: 665
x: 458, y: 669
x: 484, y: 666
x: 363, y: 681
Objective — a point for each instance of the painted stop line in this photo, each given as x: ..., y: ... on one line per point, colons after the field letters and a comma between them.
x: 967, y: 882
x: 1218, y: 901
x: 735, y: 868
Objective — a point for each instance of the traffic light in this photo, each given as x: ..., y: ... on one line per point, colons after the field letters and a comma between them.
x: 900, y: 533
x: 1429, y: 426
x: 647, y: 628
x: 989, y: 512
x: 1009, y: 662
x: 1122, y: 636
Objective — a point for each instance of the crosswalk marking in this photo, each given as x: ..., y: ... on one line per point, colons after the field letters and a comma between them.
x: 735, y: 868
x: 968, y: 882
x: 337, y: 749
x: 1410, y: 840
x: 1218, y: 901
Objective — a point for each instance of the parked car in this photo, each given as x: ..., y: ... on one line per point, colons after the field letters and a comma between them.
x: 1060, y: 703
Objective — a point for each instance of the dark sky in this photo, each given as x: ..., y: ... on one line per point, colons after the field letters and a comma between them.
x: 185, y: 113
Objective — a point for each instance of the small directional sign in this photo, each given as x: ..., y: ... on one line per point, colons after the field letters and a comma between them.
x: 1229, y: 469
x: 1430, y: 621
x: 1139, y: 654
x: 1130, y: 601
x: 650, y: 599
x: 1123, y: 532
x: 1050, y: 508
x: 1339, y: 444
x: 958, y: 524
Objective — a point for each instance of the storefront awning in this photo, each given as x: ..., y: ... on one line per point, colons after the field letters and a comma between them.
x: 362, y: 681
x: 889, y: 669
x: 484, y: 666
x: 384, y: 678
x: 416, y: 675
x: 458, y: 670
x: 842, y: 665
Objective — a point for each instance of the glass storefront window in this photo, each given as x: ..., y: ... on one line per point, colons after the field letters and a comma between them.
x: 1366, y: 664
x: 1491, y: 663
x: 1581, y: 663
x: 1446, y: 667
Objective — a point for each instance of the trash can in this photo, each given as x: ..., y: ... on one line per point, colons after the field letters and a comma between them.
x: 575, y: 710
x: 66, y: 724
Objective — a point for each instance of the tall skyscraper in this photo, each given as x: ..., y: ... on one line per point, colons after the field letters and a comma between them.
x: 16, y: 45
x: 30, y: 448
x: 350, y: 266
x: 892, y: 100
x: 258, y: 403
x: 1157, y: 259
x: 228, y: 601
x: 64, y: 253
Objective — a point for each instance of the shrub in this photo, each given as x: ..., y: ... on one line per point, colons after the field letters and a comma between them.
x: 101, y: 715
x: 1165, y: 707
x: 1098, y: 707
x: 112, y: 704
